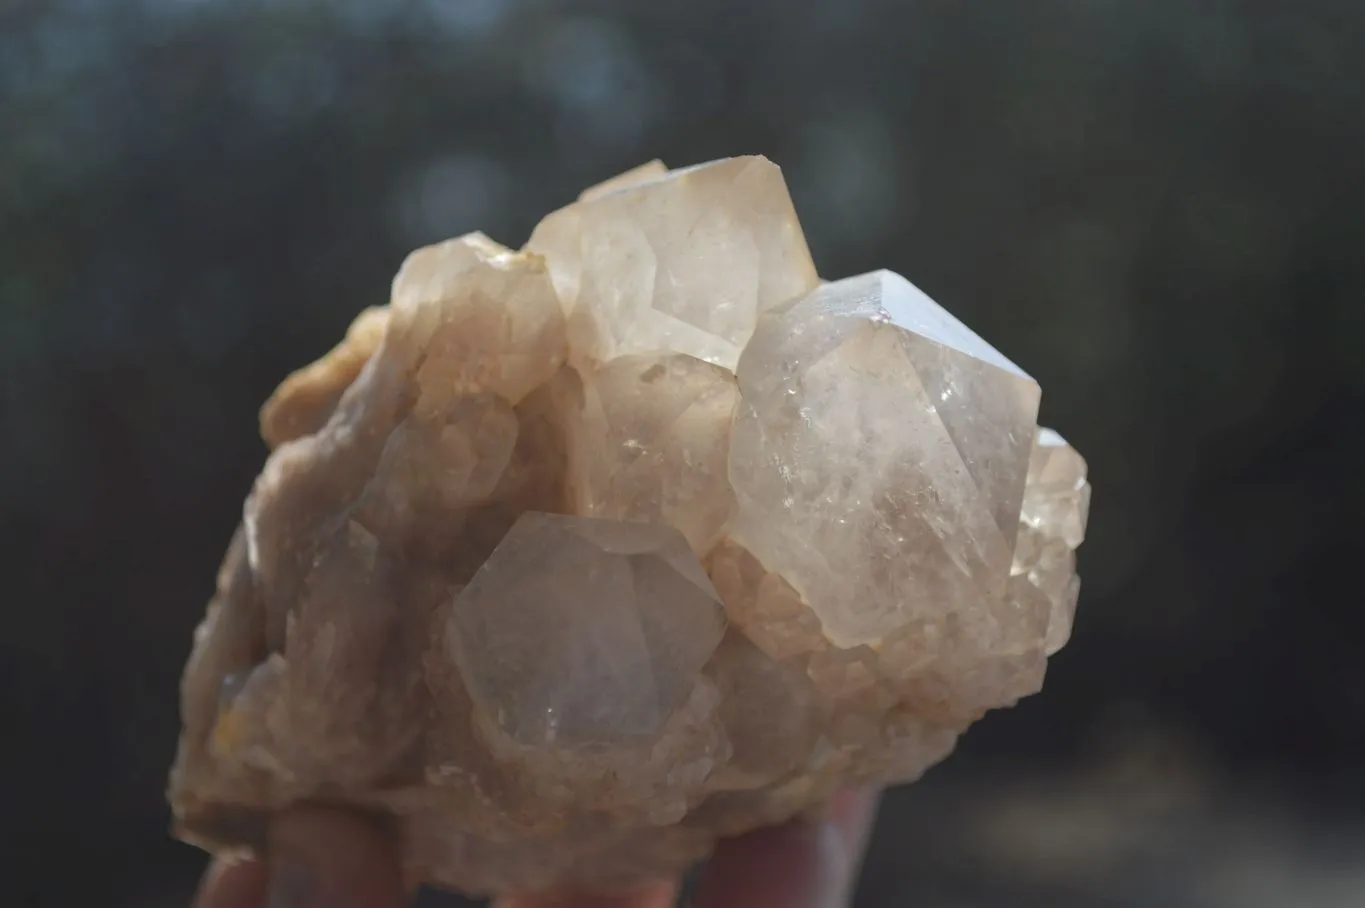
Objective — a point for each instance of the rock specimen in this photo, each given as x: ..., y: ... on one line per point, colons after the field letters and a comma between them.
x: 574, y: 559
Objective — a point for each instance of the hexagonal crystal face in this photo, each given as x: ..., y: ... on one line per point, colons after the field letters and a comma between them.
x: 585, y: 632
x: 879, y: 456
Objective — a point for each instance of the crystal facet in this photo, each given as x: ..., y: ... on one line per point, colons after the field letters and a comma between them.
x: 651, y: 442
x: 479, y: 317
x: 681, y: 263
x: 573, y: 560
x: 1051, y: 527
x: 582, y: 631
x: 878, y: 450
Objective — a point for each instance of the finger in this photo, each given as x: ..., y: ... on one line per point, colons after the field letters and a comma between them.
x: 660, y: 895
x: 232, y: 884
x: 807, y: 863
x: 319, y: 858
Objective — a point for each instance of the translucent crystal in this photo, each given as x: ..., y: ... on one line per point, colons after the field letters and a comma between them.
x: 1052, y: 525
x: 650, y: 444
x: 475, y: 316
x: 647, y: 171
x: 582, y: 631
x: 879, y: 456
x: 682, y: 263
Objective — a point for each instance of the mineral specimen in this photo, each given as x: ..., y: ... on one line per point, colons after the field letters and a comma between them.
x: 574, y: 559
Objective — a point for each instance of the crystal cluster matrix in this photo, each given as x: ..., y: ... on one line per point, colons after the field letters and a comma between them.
x: 573, y: 559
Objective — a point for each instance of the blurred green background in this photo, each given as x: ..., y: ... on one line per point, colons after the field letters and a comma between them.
x: 1156, y: 207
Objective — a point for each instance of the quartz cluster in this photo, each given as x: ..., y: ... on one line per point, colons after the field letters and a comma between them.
x: 571, y: 560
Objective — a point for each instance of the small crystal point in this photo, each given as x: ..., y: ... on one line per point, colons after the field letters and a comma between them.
x: 650, y: 170
x: 582, y: 631
x: 1052, y: 525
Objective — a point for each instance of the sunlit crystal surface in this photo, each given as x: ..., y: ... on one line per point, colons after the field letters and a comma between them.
x: 1052, y: 525
x: 879, y: 447
x: 575, y: 559
x: 481, y: 317
x: 682, y: 263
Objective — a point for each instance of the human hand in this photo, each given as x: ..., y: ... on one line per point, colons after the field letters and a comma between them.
x: 327, y: 859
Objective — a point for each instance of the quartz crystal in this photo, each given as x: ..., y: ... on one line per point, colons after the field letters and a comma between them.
x: 681, y: 262
x: 575, y: 559
x: 639, y: 455
x: 879, y: 456
x: 552, y: 670
x: 1051, y: 526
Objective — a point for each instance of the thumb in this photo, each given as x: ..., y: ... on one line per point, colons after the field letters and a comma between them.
x: 321, y: 858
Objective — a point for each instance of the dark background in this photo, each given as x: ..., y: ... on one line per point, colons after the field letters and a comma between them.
x: 1157, y: 207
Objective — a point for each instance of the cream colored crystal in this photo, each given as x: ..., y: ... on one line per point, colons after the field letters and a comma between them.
x: 679, y: 264
x: 488, y: 319
x: 584, y: 632
x: 1052, y: 525
x: 568, y: 600
x: 651, y: 441
x: 879, y: 448
x: 650, y: 170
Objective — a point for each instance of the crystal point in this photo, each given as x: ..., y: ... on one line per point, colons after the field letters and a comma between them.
x: 681, y: 263
x: 583, y: 631
x: 877, y: 448
x: 487, y: 318
x: 1052, y: 525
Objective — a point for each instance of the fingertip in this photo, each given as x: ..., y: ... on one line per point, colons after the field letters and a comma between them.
x: 659, y: 895
x: 854, y: 812
x: 322, y: 857
x: 806, y: 863
x: 232, y: 883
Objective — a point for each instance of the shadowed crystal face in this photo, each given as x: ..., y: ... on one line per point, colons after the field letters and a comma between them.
x: 879, y: 456
x: 650, y: 444
x: 584, y: 632
x: 681, y: 263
